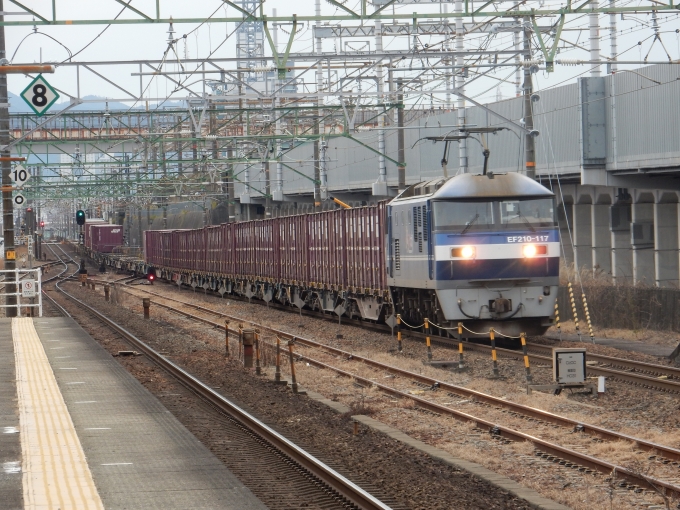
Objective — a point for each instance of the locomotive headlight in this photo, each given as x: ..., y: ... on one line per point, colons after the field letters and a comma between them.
x: 463, y: 252
x: 467, y: 252
x: 531, y: 250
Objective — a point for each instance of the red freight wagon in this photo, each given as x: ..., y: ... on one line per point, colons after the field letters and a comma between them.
x: 294, y: 249
x: 268, y: 259
x: 340, y: 250
x: 323, y: 248
x: 104, y: 238
x: 228, y: 249
x: 86, y: 230
x: 366, y: 252
x: 214, y: 255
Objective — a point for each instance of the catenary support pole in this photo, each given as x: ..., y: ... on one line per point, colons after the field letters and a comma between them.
x: 529, y: 148
x: 401, y: 169
x: 6, y: 164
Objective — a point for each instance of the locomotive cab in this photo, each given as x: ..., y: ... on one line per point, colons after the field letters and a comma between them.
x: 478, y: 249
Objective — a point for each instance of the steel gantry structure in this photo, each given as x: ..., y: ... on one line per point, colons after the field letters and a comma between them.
x: 228, y: 127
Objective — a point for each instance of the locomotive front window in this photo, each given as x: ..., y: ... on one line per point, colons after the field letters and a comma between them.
x: 494, y: 215
x: 471, y: 215
x: 538, y: 212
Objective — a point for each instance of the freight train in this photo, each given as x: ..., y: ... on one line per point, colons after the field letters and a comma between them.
x: 478, y: 249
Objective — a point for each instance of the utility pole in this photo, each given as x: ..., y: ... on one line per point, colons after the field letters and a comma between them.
x: 7, y: 205
x: 529, y: 148
x: 231, y: 204
x: 401, y: 169
x: 317, y: 170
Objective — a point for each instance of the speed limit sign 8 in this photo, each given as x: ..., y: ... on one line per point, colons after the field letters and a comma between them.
x: 19, y: 199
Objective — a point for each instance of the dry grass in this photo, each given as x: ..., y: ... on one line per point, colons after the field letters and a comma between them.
x: 636, y: 335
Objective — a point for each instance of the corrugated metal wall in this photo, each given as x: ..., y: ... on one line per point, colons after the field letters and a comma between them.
x: 646, y: 136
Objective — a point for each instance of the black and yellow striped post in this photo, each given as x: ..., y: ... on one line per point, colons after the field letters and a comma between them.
x: 460, y: 346
x: 427, y: 340
x: 494, y: 357
x: 590, y: 325
x: 399, y: 332
x: 557, y: 321
x: 527, y: 368
x: 573, y: 310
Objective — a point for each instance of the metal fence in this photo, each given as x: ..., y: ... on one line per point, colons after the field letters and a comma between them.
x: 28, y: 292
x: 624, y: 307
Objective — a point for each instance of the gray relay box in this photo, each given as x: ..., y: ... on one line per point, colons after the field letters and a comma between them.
x: 569, y: 366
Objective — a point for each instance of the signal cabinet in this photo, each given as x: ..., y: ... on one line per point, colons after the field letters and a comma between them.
x: 569, y: 366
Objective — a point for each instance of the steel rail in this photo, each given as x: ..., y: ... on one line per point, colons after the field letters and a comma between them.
x: 638, y: 379
x: 548, y: 447
x: 648, y: 446
x: 343, y: 486
x: 571, y: 456
x: 61, y: 309
x: 631, y: 377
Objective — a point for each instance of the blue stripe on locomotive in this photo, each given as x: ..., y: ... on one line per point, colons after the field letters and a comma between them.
x: 489, y: 269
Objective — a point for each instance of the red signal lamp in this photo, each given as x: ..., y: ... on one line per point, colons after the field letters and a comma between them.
x: 151, y: 274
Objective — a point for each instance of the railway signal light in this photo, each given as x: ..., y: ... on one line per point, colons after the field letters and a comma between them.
x: 42, y: 224
x: 80, y: 217
x: 151, y: 274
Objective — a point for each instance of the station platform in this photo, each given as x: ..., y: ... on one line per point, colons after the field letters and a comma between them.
x: 79, y: 432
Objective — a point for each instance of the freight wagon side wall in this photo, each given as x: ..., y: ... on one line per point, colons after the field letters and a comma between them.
x: 104, y: 238
x: 343, y: 249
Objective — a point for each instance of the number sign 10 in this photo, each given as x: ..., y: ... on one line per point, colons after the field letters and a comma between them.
x: 20, y: 175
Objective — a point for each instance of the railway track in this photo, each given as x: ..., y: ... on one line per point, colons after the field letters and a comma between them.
x: 545, y: 449
x: 635, y: 372
x: 335, y: 491
x: 644, y: 375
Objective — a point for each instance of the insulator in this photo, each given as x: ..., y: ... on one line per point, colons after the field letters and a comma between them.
x: 534, y: 62
x: 569, y: 62
x: 260, y: 69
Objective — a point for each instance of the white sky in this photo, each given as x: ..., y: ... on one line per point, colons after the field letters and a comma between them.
x: 148, y: 41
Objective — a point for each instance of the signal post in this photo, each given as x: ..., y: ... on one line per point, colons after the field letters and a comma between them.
x: 6, y: 160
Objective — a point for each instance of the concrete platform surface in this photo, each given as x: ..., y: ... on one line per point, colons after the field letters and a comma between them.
x: 139, y: 455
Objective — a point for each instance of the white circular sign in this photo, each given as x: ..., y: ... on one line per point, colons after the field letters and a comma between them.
x: 19, y: 199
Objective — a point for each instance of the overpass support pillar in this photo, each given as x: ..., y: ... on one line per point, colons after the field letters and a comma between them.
x: 643, y: 248
x: 666, y: 244
x: 601, y: 241
x: 583, y: 236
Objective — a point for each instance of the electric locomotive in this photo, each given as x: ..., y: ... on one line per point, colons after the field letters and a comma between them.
x: 479, y: 249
